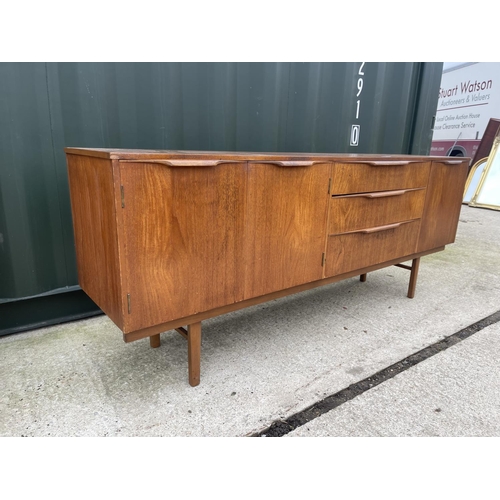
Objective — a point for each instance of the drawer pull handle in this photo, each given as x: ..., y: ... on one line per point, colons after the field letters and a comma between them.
x: 384, y: 194
x: 380, y: 228
x: 290, y: 163
x: 453, y: 162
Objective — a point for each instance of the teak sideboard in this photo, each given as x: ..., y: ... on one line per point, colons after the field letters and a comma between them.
x: 167, y: 239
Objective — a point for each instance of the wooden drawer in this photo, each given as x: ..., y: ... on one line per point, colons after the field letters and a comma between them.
x: 366, y: 247
x: 379, y: 208
x: 369, y: 176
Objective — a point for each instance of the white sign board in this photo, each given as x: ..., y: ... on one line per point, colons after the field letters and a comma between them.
x: 468, y: 97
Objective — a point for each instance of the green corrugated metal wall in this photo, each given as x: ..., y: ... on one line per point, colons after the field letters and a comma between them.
x: 45, y: 107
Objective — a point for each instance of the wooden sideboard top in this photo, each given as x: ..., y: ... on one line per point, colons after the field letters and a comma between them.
x: 155, y: 154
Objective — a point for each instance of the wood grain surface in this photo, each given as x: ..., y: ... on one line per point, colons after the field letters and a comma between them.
x: 351, y: 212
x: 367, y: 177
x: 92, y: 193
x: 158, y: 154
x: 147, y: 332
x: 356, y: 250
x: 163, y: 237
x: 285, y: 226
x: 183, y: 239
x: 443, y: 203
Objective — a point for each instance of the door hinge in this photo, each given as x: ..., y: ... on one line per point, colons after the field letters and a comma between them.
x: 323, y: 259
x: 329, y: 185
x: 122, y: 191
x: 128, y: 302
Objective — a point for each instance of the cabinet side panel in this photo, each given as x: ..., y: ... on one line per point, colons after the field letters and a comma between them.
x: 93, y: 209
x: 285, y: 230
x: 182, y: 230
x: 442, y: 205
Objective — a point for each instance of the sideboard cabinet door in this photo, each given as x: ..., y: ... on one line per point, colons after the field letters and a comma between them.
x: 183, y: 239
x: 285, y: 230
x: 443, y: 203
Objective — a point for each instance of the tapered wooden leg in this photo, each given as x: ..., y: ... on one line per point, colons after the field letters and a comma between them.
x: 154, y: 340
x: 194, y: 353
x: 362, y: 278
x: 413, y: 277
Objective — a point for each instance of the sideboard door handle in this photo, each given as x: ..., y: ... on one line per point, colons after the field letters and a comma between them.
x: 185, y: 163
x: 389, y: 163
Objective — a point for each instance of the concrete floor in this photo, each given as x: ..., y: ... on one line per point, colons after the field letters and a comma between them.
x: 454, y: 393
x: 273, y: 360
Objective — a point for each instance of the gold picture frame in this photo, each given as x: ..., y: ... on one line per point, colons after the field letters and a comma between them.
x: 473, y: 179
x: 487, y: 194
